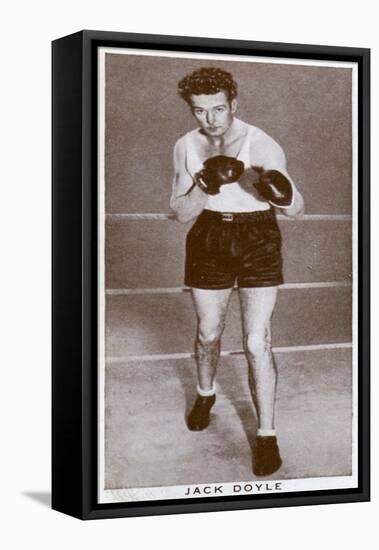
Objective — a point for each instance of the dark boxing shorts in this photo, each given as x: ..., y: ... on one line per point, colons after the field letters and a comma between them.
x: 223, y: 247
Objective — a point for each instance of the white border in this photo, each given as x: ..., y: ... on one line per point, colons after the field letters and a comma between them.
x: 220, y: 57
x: 175, y: 492
x: 101, y: 273
x: 354, y: 319
x: 254, y: 487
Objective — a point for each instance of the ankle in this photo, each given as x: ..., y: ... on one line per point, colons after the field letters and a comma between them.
x: 264, y: 432
x: 206, y: 392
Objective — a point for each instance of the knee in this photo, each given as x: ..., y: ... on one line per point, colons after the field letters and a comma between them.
x: 258, y: 344
x: 209, y: 334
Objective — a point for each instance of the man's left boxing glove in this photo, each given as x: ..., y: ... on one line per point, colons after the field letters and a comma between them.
x: 272, y: 186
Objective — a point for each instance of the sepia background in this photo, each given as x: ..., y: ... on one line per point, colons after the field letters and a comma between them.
x: 150, y: 323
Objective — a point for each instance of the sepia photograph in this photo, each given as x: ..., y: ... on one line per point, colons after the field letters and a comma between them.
x: 227, y: 275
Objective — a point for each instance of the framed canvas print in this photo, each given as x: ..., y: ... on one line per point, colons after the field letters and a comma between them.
x: 210, y: 274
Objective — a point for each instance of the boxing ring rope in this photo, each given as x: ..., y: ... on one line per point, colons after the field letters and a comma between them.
x: 175, y: 290
x: 305, y: 217
x: 112, y: 360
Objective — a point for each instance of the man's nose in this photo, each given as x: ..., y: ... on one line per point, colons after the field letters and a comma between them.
x: 210, y: 118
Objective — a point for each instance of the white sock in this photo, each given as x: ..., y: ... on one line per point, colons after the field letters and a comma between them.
x: 265, y: 433
x: 206, y: 393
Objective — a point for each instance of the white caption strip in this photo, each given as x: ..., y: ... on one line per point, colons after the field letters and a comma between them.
x: 254, y: 487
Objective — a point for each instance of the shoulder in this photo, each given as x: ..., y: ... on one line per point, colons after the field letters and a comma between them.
x: 183, y: 147
x: 264, y: 149
x: 188, y: 135
x: 180, y: 147
x: 184, y: 141
x: 261, y: 138
x: 264, y: 144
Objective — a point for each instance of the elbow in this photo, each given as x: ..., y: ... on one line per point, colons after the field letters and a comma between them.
x: 183, y: 218
x: 296, y: 210
x: 296, y: 215
x: 180, y: 216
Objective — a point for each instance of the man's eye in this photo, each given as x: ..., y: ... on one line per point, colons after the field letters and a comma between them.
x: 198, y: 111
x: 220, y: 109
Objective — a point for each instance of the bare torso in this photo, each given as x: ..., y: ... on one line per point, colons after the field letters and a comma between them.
x: 234, y: 143
x: 230, y: 144
x: 243, y: 141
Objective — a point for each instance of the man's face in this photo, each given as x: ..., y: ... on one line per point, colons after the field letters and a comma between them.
x: 213, y: 112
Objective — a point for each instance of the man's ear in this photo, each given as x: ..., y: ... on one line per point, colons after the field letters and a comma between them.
x: 234, y: 105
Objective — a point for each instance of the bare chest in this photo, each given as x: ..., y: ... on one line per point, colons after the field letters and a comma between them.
x: 206, y: 148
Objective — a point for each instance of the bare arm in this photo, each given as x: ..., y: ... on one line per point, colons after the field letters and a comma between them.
x: 296, y: 210
x: 187, y: 200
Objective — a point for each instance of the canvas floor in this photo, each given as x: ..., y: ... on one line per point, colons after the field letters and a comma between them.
x: 147, y: 442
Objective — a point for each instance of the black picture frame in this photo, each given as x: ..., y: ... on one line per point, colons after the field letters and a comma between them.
x: 74, y: 333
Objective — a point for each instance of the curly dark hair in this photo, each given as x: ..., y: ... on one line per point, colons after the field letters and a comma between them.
x: 207, y: 80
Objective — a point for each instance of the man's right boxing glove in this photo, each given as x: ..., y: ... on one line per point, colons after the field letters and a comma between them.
x: 217, y: 171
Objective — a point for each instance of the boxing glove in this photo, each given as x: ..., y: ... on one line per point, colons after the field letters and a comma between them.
x: 271, y: 185
x: 217, y: 171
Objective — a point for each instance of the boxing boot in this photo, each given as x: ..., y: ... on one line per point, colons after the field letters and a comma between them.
x: 198, y: 419
x: 266, y: 456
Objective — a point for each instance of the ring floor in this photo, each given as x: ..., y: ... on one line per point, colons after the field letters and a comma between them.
x: 147, y: 442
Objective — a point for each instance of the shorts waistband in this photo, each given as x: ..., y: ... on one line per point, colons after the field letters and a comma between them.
x: 238, y: 217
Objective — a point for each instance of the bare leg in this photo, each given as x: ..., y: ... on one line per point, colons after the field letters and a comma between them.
x: 257, y: 305
x: 211, y: 307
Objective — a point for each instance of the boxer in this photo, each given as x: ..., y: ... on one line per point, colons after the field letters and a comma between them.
x: 230, y: 176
